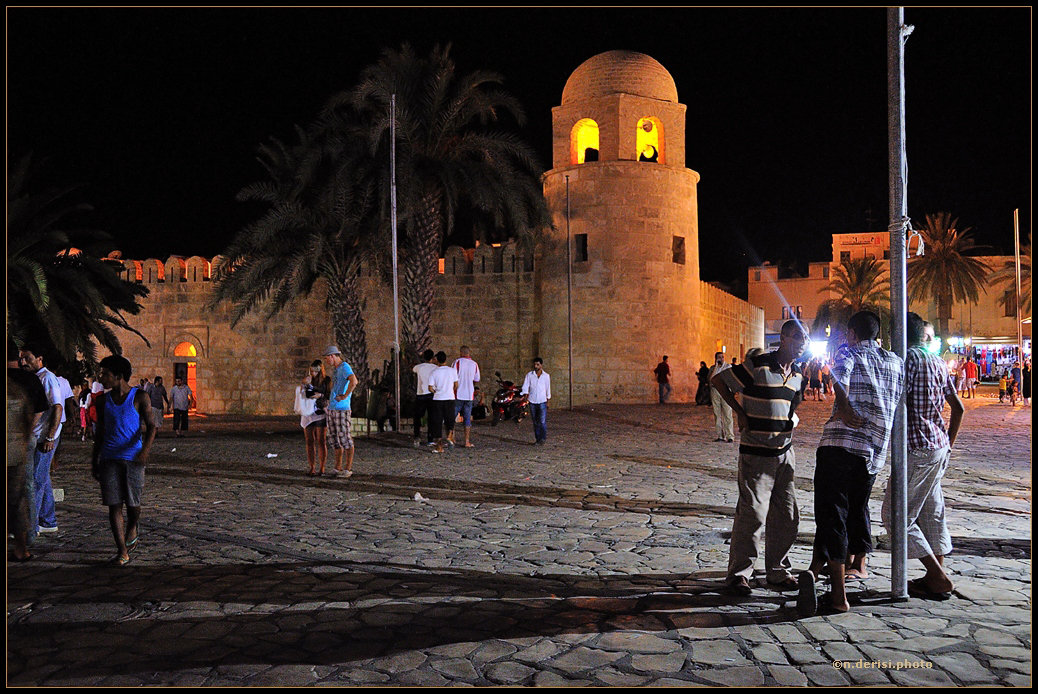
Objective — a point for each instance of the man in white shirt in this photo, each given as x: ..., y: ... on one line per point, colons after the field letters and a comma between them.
x: 723, y: 424
x: 423, y: 398
x: 46, y: 433
x: 538, y: 387
x: 443, y: 384
x: 468, y: 377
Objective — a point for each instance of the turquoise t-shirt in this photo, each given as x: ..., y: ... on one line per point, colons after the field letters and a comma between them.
x: 340, y: 384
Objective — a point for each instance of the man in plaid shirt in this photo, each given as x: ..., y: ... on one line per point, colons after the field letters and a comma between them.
x: 868, y: 382
x: 927, y: 387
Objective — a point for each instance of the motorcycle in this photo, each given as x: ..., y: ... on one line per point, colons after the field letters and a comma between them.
x: 509, y: 402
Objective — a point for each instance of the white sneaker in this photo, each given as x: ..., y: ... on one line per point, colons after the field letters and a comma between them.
x: 45, y: 529
x: 347, y: 473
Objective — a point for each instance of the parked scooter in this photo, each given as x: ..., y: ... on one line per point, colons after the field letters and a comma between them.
x: 509, y: 402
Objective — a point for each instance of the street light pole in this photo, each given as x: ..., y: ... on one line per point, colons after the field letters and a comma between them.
x: 1019, y: 317
x: 897, y: 32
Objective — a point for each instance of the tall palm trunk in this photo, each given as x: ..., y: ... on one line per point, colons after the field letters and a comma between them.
x: 348, y: 323
x: 421, y: 266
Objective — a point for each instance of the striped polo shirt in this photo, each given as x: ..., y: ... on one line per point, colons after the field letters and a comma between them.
x: 769, y: 398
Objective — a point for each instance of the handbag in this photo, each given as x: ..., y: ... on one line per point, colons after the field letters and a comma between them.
x: 304, y: 406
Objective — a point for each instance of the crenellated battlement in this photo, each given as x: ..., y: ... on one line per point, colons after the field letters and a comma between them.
x: 498, y: 259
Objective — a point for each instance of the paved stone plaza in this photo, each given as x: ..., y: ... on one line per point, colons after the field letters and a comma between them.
x: 595, y: 560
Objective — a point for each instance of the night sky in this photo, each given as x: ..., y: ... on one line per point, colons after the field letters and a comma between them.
x: 158, y: 112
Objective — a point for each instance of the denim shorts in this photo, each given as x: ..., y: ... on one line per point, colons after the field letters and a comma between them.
x: 464, y: 408
x: 122, y: 482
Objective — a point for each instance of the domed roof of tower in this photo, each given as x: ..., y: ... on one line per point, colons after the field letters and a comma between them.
x: 620, y: 72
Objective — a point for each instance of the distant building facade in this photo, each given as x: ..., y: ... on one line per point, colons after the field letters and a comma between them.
x: 617, y: 279
x: 985, y: 326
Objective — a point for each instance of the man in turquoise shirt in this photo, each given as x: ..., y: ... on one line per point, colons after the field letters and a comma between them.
x: 344, y: 382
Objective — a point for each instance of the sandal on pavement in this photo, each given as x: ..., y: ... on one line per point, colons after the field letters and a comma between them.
x: 132, y: 544
x: 825, y: 606
x: 740, y: 586
x: 788, y: 583
x: 918, y: 589
x: 119, y: 561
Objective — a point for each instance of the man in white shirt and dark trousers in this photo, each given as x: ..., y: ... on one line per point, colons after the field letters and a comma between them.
x: 468, y: 377
x: 423, y: 398
x: 443, y: 384
x: 538, y: 387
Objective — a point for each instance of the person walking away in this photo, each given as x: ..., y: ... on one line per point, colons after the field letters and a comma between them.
x: 339, y: 411
x: 662, y: 372
x: 722, y: 412
x: 1017, y: 378
x: 27, y: 405
x: 927, y: 388
x: 84, y: 411
x: 443, y: 384
x: 468, y: 377
x: 537, y: 386
x: 703, y: 392
x: 1025, y: 385
x: 772, y: 386
x: 121, y: 451
x: 868, y: 382
x: 47, y: 434
x: 159, y: 401
x: 316, y: 386
x: 182, y: 400
x: 423, y: 398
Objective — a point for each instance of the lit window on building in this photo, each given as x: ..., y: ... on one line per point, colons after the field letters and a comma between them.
x: 648, y: 140
x: 584, y: 141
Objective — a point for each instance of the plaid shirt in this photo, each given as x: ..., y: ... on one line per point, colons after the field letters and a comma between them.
x: 927, y: 385
x: 873, y: 379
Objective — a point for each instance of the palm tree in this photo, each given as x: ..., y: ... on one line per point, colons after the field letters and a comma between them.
x: 944, y: 273
x: 859, y: 284
x: 447, y: 158
x: 1006, y: 276
x: 63, y: 294
x: 318, y: 225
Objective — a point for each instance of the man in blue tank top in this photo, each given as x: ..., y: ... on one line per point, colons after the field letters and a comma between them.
x: 121, y: 451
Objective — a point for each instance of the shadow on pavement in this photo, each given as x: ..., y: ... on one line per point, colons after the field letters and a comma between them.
x: 172, y: 618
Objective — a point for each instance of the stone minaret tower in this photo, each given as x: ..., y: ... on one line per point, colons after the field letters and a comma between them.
x: 633, y: 228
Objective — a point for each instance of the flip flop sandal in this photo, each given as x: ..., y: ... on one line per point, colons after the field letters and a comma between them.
x: 119, y: 561
x: 132, y: 545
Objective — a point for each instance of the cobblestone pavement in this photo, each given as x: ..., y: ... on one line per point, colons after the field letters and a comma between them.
x: 597, y: 559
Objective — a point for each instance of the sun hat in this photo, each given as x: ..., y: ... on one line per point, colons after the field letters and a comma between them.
x: 330, y: 350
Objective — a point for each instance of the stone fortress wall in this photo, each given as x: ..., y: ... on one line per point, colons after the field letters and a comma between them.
x: 484, y: 298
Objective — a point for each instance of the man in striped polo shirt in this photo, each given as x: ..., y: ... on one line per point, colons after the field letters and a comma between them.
x: 772, y: 386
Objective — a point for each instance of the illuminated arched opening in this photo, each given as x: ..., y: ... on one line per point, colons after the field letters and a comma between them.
x: 186, y: 369
x: 584, y: 141
x: 649, y: 140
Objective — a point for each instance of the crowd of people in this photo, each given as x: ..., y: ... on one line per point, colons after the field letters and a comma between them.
x: 759, y: 395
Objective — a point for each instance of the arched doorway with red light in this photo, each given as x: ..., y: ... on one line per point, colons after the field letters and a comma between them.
x: 185, y: 366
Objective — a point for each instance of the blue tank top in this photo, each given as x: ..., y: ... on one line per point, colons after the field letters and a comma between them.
x: 122, y: 439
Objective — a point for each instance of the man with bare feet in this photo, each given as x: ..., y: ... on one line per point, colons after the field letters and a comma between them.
x: 121, y: 451
x: 867, y: 382
x: 927, y: 387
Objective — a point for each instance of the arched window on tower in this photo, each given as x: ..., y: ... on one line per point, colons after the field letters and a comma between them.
x: 584, y: 141
x: 649, y: 140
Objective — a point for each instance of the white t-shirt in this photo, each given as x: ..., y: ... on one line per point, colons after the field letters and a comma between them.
x: 66, y: 393
x: 468, y: 376
x: 442, y: 381
x: 423, y: 372
x: 52, y: 387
